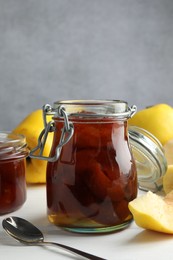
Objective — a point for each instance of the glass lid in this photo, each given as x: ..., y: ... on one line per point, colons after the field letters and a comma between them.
x: 149, y: 157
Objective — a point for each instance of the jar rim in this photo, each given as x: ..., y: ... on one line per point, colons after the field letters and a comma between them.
x: 12, y: 145
x: 96, y: 108
x: 90, y: 101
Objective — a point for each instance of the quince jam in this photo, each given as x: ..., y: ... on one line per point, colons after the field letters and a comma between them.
x: 90, y: 185
x: 13, y: 153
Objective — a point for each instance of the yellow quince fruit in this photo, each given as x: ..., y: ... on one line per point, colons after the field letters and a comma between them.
x: 153, y: 212
x: 31, y: 127
x: 157, y: 119
x: 168, y: 179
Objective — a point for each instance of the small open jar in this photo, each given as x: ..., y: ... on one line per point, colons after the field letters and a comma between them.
x: 91, y: 173
x: 13, y: 152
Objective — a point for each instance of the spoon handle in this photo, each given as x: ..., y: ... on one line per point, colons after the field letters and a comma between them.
x: 74, y: 250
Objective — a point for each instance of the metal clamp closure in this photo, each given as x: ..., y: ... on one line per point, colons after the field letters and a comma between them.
x: 67, y: 132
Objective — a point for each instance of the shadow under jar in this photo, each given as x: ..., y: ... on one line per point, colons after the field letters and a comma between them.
x: 91, y: 175
x: 13, y: 153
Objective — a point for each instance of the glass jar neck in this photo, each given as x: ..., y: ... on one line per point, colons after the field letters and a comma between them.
x: 92, y: 109
x: 95, y: 108
x: 12, y: 146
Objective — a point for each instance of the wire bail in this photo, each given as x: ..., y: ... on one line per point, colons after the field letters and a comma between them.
x: 67, y: 133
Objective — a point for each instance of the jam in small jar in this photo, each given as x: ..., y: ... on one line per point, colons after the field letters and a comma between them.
x: 13, y: 152
x: 91, y: 172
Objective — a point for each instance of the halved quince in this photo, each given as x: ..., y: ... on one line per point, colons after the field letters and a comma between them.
x: 153, y: 212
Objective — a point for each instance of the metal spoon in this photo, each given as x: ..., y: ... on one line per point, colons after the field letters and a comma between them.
x: 25, y: 232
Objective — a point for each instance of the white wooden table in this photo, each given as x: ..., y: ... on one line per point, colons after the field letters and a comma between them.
x: 132, y: 243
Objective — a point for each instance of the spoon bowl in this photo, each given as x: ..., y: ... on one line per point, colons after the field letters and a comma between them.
x: 22, y: 230
x: 27, y: 233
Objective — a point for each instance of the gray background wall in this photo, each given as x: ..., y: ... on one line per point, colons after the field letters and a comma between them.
x: 83, y: 49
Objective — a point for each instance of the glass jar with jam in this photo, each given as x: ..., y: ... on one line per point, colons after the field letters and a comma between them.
x: 91, y: 172
x: 13, y: 152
